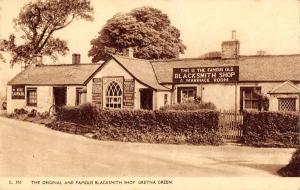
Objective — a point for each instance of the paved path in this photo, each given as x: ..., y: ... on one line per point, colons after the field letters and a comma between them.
x: 28, y: 149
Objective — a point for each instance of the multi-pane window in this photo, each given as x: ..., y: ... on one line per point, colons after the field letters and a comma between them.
x: 186, y: 94
x: 31, y: 97
x: 287, y: 104
x: 113, y: 95
x: 250, y: 98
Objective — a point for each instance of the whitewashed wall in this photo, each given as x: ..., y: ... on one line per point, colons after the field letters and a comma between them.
x: 160, y: 99
x: 44, y: 99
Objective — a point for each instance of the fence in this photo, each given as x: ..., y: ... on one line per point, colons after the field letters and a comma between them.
x: 231, y: 123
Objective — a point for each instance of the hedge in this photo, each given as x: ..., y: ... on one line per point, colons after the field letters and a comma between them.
x: 189, y: 106
x: 293, y: 168
x: 271, y: 129
x: 193, y: 127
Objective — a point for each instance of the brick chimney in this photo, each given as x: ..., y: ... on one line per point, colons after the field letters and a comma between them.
x: 128, y: 52
x: 37, y: 60
x: 231, y: 48
x: 75, y: 58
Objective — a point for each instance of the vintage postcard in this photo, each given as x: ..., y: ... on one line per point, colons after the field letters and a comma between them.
x: 149, y: 94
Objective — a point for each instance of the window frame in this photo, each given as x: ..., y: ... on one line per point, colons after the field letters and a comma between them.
x: 252, y: 98
x: 182, y: 88
x: 111, y: 101
x: 28, y: 97
x: 287, y: 98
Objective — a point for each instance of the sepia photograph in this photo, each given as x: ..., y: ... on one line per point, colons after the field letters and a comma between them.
x: 150, y: 94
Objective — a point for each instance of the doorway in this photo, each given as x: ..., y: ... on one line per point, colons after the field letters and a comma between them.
x: 146, y: 99
x: 60, y: 96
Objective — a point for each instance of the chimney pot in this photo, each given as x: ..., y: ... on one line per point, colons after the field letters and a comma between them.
x: 37, y: 60
x: 130, y: 52
x: 75, y: 58
x: 233, y: 35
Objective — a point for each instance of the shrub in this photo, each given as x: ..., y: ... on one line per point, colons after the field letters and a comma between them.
x: 88, y: 113
x: 32, y: 113
x: 20, y: 111
x: 69, y: 113
x: 43, y: 115
x: 194, y: 127
x: 271, y: 129
x: 293, y: 168
x: 189, y: 106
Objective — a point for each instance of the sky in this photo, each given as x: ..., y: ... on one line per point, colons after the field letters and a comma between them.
x: 269, y: 25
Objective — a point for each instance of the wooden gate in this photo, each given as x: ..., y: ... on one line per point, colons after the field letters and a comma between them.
x: 231, y: 123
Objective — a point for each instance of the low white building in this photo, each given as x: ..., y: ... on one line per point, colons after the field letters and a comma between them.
x: 230, y: 81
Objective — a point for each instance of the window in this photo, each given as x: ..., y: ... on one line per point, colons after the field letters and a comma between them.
x: 287, y: 104
x: 113, y: 98
x: 80, y: 96
x: 165, y: 99
x: 186, y: 94
x: 250, y: 99
x: 31, y: 97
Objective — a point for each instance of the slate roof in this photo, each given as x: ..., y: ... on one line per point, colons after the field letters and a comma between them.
x: 286, y: 87
x: 141, y: 69
x: 252, y: 68
x: 68, y: 74
x: 156, y: 73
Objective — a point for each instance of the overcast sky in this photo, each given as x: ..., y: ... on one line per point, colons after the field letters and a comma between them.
x: 270, y: 25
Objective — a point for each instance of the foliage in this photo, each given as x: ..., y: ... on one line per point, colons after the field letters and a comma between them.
x: 39, y: 20
x: 147, y: 30
x: 271, y: 129
x: 32, y: 113
x: 293, y: 168
x: 193, y: 127
x: 31, y: 116
x: 20, y: 111
x: 197, y: 104
x: 84, y: 114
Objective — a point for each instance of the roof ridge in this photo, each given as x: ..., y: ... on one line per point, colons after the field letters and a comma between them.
x: 81, y: 64
x: 126, y: 57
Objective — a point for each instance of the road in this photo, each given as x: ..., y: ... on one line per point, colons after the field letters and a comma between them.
x: 29, y: 150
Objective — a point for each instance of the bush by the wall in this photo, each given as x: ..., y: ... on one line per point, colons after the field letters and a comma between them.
x: 85, y: 114
x: 189, y: 106
x: 293, y: 168
x: 193, y: 127
x: 271, y: 129
x: 20, y: 111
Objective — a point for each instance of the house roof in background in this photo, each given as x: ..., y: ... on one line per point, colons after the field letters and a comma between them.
x: 252, y: 68
x: 141, y: 69
x: 55, y: 74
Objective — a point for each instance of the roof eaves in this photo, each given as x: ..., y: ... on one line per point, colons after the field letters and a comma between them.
x: 10, y: 82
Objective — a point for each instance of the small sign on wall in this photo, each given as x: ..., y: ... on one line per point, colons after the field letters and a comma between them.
x: 18, y: 92
x: 128, y: 98
x: 97, y: 92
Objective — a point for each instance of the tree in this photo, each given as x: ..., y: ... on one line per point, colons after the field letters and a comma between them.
x: 147, y: 30
x: 38, y: 21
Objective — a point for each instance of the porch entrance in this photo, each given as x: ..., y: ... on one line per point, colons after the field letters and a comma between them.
x: 146, y: 99
x: 60, y: 96
x: 231, y: 124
